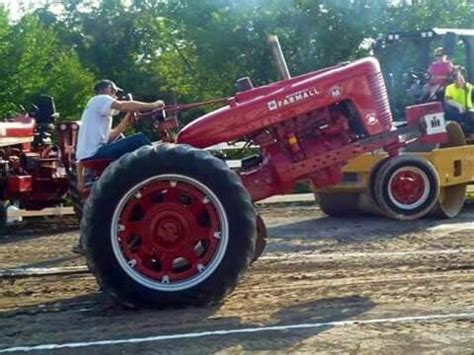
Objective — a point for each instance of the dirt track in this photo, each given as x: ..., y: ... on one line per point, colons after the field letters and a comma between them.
x: 315, y: 270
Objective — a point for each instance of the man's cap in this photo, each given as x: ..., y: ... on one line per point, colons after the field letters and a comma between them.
x: 439, y: 51
x: 104, y: 84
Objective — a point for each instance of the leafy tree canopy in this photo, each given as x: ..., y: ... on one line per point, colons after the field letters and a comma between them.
x: 187, y: 50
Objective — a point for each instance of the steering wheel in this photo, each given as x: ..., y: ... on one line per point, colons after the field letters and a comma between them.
x: 415, y: 74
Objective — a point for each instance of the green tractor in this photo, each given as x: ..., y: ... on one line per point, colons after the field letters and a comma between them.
x: 405, y: 58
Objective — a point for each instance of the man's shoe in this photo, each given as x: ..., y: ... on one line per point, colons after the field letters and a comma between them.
x: 79, y: 249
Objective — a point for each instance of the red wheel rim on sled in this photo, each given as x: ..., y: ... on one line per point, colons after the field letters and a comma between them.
x: 408, y: 187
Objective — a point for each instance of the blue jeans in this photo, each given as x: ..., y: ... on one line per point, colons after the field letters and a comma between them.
x: 453, y: 113
x: 118, y: 148
x: 465, y: 119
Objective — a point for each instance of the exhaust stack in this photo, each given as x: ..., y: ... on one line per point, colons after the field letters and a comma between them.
x: 278, y: 57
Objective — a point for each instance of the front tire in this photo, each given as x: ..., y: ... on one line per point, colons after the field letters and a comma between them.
x: 406, y: 187
x: 168, y: 226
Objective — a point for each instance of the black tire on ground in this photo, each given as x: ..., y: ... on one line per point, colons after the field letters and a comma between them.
x: 339, y: 204
x: 372, y: 179
x: 3, y: 218
x: 168, y: 225
x: 261, y: 238
x: 74, y: 194
x: 406, y: 187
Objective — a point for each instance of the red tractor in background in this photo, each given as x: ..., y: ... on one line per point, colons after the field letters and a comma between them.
x: 33, y: 169
x: 172, y: 224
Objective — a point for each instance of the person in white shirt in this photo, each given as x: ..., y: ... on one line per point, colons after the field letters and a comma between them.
x: 97, y: 139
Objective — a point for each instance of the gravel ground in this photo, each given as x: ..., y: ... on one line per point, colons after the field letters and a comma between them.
x: 316, y: 277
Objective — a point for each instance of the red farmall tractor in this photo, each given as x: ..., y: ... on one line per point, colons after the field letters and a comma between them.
x: 172, y: 224
x: 33, y: 170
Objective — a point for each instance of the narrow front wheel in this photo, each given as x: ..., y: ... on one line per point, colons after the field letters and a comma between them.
x: 406, y: 187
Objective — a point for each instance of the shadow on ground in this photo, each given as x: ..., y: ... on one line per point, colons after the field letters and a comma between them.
x: 92, y: 318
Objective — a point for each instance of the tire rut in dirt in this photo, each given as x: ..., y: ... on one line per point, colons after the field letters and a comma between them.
x: 148, y: 164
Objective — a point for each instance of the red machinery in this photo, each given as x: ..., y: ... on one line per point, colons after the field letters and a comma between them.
x: 171, y: 224
x: 33, y: 174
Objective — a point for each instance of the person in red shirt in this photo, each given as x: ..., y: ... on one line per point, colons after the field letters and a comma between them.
x: 439, y: 73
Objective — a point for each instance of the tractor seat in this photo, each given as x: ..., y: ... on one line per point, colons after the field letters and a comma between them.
x: 21, y: 128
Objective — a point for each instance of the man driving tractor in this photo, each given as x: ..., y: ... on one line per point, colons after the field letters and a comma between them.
x: 97, y: 139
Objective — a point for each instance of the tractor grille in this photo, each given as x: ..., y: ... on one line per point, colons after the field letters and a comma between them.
x: 379, y: 92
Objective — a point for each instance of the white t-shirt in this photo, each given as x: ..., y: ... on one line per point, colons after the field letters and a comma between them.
x: 96, y: 123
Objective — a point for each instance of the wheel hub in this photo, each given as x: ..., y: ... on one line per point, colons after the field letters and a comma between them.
x: 167, y: 226
x: 408, y: 187
x: 168, y: 231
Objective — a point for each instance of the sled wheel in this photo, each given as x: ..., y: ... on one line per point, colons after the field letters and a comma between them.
x: 456, y: 136
x: 261, y: 239
x: 3, y: 217
x: 451, y: 199
x: 374, y: 173
x: 406, y: 187
x: 74, y: 194
x: 339, y: 204
x: 168, y: 225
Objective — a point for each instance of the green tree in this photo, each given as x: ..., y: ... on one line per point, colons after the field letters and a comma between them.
x: 34, y: 62
x: 194, y: 50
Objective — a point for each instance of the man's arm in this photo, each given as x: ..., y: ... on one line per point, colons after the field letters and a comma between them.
x: 122, y: 126
x: 131, y: 106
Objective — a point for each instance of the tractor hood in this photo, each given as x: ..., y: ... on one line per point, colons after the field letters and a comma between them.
x: 253, y: 110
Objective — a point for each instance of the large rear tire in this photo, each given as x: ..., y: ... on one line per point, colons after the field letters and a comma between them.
x: 169, y: 225
x: 406, y: 187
